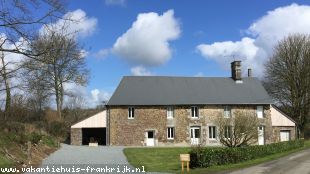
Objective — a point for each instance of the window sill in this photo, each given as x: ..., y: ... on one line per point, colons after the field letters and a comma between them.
x: 131, y: 118
x: 170, y: 139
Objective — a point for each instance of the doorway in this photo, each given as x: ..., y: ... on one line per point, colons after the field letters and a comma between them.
x: 261, y: 135
x: 195, y: 135
x: 150, y: 139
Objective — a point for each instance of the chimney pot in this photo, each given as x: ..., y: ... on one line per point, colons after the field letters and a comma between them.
x: 249, y: 72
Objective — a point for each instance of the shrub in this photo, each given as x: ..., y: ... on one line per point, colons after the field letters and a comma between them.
x: 57, y: 128
x: 206, y: 157
x: 49, y: 141
x: 35, y: 137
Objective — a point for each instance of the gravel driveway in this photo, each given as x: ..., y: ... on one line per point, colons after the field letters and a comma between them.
x: 102, y: 159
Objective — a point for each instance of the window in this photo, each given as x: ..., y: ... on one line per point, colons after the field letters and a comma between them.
x: 228, y: 130
x: 195, y: 112
x: 131, y: 113
x: 212, y: 132
x: 170, y: 133
x: 227, y: 111
x: 259, y: 111
x: 170, y: 112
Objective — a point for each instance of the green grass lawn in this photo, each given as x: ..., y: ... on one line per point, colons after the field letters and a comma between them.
x: 167, y: 159
x: 156, y: 159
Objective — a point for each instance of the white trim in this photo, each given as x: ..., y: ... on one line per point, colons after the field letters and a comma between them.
x: 170, y: 112
x: 227, y: 112
x: 196, y: 114
x: 260, y: 111
x: 213, y: 132
x: 131, y: 112
x: 169, y: 130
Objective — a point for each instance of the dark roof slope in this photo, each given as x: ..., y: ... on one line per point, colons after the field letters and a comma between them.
x: 158, y: 90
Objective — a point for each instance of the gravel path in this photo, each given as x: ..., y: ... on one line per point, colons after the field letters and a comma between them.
x: 104, y: 158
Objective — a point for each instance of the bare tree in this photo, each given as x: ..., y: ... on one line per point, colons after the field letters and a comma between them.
x: 20, y: 20
x: 19, y: 23
x: 62, y: 63
x: 38, y: 91
x: 287, y: 77
x: 239, y: 130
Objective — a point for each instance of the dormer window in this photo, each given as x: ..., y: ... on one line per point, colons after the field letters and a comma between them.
x: 195, y: 112
x: 131, y: 113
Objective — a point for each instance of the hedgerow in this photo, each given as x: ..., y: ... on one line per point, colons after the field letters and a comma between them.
x: 202, y: 157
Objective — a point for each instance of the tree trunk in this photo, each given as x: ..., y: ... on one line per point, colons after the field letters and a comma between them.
x: 7, y: 89
x: 57, y: 94
x: 61, y: 92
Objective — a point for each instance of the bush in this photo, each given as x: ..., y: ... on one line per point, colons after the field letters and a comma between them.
x: 57, y: 128
x: 35, y: 137
x: 206, y: 157
x: 49, y: 141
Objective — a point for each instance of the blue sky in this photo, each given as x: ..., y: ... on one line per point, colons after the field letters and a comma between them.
x: 201, y: 37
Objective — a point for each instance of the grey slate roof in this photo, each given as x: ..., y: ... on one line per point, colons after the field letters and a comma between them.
x: 159, y: 90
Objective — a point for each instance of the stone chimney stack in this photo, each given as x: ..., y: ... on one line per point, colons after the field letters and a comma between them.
x: 249, y: 72
x: 236, y: 70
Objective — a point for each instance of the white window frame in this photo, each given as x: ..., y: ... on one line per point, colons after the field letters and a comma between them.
x: 212, y: 133
x: 171, y: 131
x: 260, y: 111
x: 196, y: 114
x: 228, y: 131
x: 131, y: 112
x: 227, y: 112
x: 170, y: 112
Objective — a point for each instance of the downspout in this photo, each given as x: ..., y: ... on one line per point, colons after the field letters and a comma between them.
x: 108, y: 126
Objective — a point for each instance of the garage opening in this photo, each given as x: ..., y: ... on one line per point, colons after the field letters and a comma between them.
x: 94, y: 135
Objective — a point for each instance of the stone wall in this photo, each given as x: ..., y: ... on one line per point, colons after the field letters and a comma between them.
x: 76, y: 136
x: 131, y: 132
x: 277, y: 129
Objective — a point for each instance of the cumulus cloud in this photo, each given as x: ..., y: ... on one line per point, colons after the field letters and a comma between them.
x: 74, y: 22
x: 140, y: 71
x: 147, y: 41
x: 88, y: 98
x: 99, y: 96
x: 262, y: 35
x: 115, y: 2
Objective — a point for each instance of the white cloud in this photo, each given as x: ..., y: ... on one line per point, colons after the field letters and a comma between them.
x: 75, y: 22
x: 115, y: 2
x: 99, y: 96
x: 147, y: 41
x: 140, y: 71
x: 263, y: 34
x: 101, y: 54
x: 90, y: 98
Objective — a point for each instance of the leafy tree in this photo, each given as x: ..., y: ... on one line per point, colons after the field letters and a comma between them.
x: 287, y: 77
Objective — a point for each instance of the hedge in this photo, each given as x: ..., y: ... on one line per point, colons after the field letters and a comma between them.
x: 202, y: 157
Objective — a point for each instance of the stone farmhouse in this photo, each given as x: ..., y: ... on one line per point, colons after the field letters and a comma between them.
x: 181, y: 111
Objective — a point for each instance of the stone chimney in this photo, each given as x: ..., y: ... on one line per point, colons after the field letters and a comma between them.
x: 236, y: 70
x: 249, y: 72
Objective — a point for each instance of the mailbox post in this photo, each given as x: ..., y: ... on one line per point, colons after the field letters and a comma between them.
x: 185, y: 158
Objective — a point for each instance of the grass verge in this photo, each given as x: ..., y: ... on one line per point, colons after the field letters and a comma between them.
x: 167, y: 159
